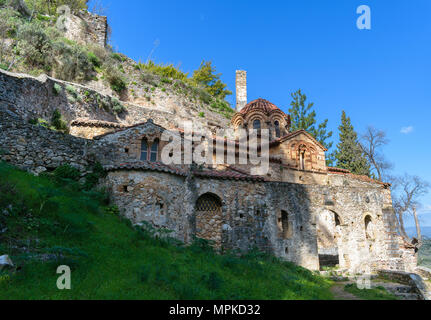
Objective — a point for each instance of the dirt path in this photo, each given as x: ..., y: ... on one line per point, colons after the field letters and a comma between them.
x: 339, y: 293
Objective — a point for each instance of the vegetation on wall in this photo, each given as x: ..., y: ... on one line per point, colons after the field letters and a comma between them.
x: 51, y: 221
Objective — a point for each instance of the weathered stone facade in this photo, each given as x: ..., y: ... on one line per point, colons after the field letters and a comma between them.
x: 301, y: 210
x: 87, y: 28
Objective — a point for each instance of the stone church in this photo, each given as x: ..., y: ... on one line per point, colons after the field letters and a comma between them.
x: 301, y: 210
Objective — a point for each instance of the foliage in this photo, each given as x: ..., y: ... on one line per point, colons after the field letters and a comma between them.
x: 67, y: 172
x: 57, y: 122
x: 165, y: 71
x: 50, y: 6
x: 377, y: 293
x: 349, y: 153
x: 115, y: 78
x: 206, y: 77
x: 112, y: 260
x: 56, y: 89
x: 304, y: 117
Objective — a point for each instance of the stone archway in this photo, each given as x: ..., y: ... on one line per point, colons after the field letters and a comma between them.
x: 209, y: 218
x: 327, y: 238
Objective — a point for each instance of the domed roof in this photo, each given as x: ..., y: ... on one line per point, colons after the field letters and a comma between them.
x: 261, y: 105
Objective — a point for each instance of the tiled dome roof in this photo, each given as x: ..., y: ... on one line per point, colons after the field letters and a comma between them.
x: 260, y: 104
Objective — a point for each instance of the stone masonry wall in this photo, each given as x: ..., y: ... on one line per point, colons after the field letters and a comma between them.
x: 37, y: 149
x: 251, y: 214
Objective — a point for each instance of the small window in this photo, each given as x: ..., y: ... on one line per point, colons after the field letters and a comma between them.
x: 154, y: 150
x: 277, y: 129
x: 126, y: 150
x: 256, y: 125
x: 337, y: 219
x: 144, y: 150
x: 302, y: 160
x: 285, y: 224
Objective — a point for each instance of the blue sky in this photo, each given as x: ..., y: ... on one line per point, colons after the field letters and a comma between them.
x: 380, y: 77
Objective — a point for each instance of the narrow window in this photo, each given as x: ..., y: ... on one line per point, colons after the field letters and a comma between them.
x: 144, y: 149
x: 256, y: 125
x: 277, y: 129
x: 302, y: 160
x: 285, y: 224
x: 154, y: 150
x: 337, y: 219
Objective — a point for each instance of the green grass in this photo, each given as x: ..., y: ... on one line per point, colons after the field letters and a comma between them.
x: 52, y: 221
x: 377, y: 293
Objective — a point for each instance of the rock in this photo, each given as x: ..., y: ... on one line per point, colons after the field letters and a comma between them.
x: 5, y: 262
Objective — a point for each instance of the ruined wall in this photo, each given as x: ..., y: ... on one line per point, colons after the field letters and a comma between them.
x: 38, y: 149
x: 30, y: 97
x: 87, y: 28
x: 253, y: 213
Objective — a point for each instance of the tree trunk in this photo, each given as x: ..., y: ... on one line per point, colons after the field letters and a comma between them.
x: 401, y: 226
x: 418, y: 227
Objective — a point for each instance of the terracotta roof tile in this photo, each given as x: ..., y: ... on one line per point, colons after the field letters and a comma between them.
x: 262, y: 105
x: 145, y: 165
x: 96, y: 123
x: 226, y: 175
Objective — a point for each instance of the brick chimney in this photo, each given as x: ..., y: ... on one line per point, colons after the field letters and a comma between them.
x: 241, y: 89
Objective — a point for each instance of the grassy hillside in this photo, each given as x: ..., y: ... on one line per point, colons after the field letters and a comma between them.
x: 50, y: 221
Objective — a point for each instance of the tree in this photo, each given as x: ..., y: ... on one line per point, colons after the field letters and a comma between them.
x: 206, y: 77
x: 371, y: 143
x: 349, y: 154
x: 407, y: 190
x: 304, y: 117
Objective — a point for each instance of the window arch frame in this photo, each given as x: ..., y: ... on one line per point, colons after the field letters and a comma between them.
x: 144, y: 149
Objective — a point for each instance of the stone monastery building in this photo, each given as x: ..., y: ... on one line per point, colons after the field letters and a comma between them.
x: 301, y: 210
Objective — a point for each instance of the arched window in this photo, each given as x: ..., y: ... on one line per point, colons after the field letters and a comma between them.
x: 369, y: 232
x: 256, y: 125
x: 277, y: 129
x: 144, y: 149
x: 154, y: 150
x: 302, y: 160
x: 337, y: 219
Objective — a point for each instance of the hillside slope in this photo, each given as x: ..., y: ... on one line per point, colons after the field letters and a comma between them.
x: 50, y: 221
x: 96, y: 80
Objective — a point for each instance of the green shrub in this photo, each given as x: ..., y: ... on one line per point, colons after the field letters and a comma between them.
x: 34, y: 45
x: 67, y: 172
x: 94, y: 59
x: 57, y: 122
x: 165, y: 71
x: 57, y: 89
x: 115, y: 79
x: 202, y: 114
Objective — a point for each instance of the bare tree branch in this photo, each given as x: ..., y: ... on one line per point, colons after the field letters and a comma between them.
x: 406, y: 200
x: 371, y: 143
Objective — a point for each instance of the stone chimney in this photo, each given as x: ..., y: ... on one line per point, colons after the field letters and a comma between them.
x: 241, y: 89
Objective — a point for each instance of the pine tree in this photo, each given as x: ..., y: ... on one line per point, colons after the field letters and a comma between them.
x: 206, y: 77
x: 349, y: 154
x: 304, y: 117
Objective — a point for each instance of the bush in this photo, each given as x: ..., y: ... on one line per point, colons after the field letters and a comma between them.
x: 58, y: 123
x: 34, y: 45
x: 115, y: 78
x: 94, y: 59
x: 165, y: 71
x: 67, y: 172
x: 56, y: 89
